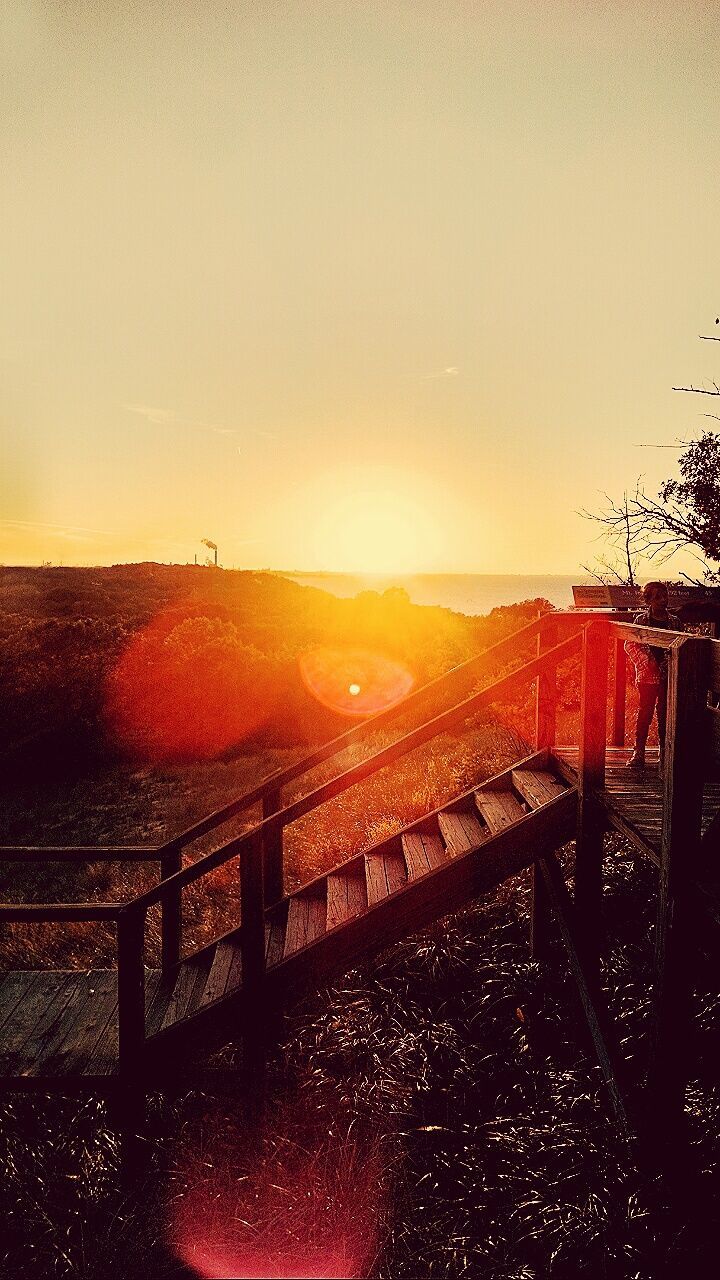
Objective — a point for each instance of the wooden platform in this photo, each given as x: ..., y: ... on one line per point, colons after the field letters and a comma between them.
x: 634, y: 800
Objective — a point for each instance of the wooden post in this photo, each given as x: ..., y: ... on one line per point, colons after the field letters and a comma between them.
x: 545, y: 732
x: 131, y: 990
x: 252, y: 943
x: 619, y: 694
x: 685, y: 760
x: 546, y: 692
x: 591, y: 778
x: 171, y: 928
x: 273, y: 851
x: 252, y: 932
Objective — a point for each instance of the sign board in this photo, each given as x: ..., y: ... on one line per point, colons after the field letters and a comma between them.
x: 602, y: 596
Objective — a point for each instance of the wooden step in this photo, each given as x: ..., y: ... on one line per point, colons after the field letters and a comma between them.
x: 423, y: 853
x: 537, y: 786
x: 347, y: 896
x: 461, y: 831
x: 307, y: 913
x: 500, y: 809
x: 275, y: 937
x: 227, y: 956
x: 385, y: 873
x: 188, y: 988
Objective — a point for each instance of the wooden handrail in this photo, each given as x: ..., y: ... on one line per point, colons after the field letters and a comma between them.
x: 445, y: 720
x: 274, y: 783
x: 656, y: 636
x: 80, y: 853
x: 14, y: 912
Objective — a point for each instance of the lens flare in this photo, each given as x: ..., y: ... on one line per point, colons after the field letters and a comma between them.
x: 186, y: 688
x: 355, y: 682
x: 286, y: 1202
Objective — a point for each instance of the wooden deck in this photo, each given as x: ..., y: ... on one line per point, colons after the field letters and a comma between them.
x: 634, y: 801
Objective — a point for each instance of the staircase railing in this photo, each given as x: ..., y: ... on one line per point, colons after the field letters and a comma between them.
x: 249, y: 848
x: 544, y: 630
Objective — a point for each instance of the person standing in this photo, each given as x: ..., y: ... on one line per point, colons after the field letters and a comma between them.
x: 650, y: 664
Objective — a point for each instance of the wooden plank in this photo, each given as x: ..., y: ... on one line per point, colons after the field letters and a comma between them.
x: 306, y: 921
x: 619, y: 697
x: 591, y: 781
x: 275, y: 940
x: 546, y: 692
x: 189, y: 983
x: 34, y: 1021
x: 536, y: 786
x: 423, y: 853
x: 346, y: 897
x: 461, y: 831
x: 156, y: 1005
x: 597, y: 1019
x: 385, y: 873
x: 17, y: 987
x: 103, y: 1056
x: 79, y: 853
x: 679, y: 865
x: 500, y: 809
x: 235, y: 972
x: 216, y: 980
x: 85, y: 1017
x: 65, y: 1026
x: 658, y: 637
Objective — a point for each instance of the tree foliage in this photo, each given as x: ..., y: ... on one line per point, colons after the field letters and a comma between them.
x: 684, y: 515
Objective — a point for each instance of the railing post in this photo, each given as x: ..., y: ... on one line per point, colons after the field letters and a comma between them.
x: 619, y: 694
x: 252, y: 907
x: 591, y: 779
x: 273, y: 850
x: 684, y: 768
x: 171, y: 927
x: 131, y: 989
x: 546, y: 692
x: 545, y: 733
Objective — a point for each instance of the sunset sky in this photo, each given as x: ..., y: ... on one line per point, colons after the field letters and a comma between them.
x: 364, y: 285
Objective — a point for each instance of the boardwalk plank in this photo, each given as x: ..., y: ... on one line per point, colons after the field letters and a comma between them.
x: 82, y: 1024
x: 34, y: 1020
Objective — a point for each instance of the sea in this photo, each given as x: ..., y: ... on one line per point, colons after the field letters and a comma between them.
x: 469, y: 593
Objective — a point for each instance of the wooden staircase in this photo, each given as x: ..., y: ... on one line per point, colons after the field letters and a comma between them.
x: 365, y: 903
x: 61, y: 1030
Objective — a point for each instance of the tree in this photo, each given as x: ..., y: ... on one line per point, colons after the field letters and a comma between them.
x: 684, y: 515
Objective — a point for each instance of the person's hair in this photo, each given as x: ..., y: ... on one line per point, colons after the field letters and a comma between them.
x: 653, y: 586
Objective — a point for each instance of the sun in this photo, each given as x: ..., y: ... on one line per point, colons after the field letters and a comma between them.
x: 378, y: 531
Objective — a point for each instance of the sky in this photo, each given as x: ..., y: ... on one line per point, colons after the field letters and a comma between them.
x: 376, y: 286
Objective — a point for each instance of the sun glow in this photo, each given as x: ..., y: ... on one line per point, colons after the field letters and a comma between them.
x: 378, y: 530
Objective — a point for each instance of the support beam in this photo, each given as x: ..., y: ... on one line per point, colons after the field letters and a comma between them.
x: 591, y: 780
x: 273, y: 861
x: 619, y: 693
x: 545, y: 734
x: 595, y: 1013
x: 680, y: 858
x: 171, y: 927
